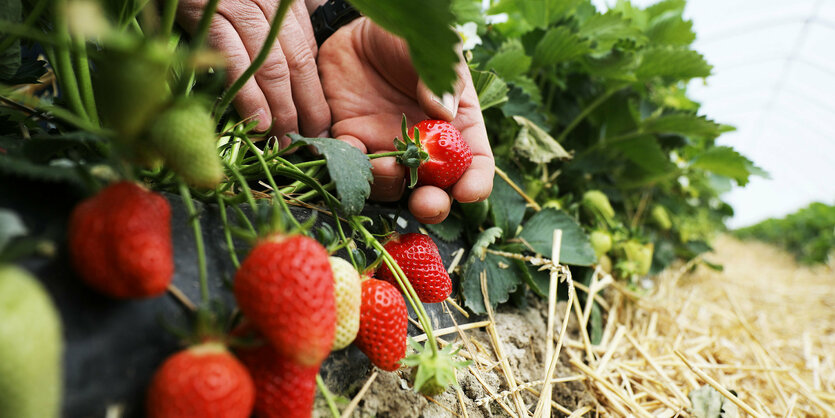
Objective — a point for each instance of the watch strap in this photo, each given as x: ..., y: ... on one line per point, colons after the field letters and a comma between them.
x: 329, y: 17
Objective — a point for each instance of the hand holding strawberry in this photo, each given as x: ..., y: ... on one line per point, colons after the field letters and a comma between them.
x: 369, y: 82
x: 436, y: 155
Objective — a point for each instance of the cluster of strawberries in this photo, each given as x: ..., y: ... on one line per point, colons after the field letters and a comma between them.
x: 298, y: 304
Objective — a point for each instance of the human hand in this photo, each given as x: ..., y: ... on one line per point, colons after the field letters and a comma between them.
x: 369, y: 82
x: 286, y: 90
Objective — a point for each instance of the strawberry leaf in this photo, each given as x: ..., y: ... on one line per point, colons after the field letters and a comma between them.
x: 507, y: 207
x: 502, y: 275
x: 449, y: 230
x: 575, y: 248
x: 348, y: 167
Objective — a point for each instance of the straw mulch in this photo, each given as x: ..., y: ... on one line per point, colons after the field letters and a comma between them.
x: 761, y: 333
x: 764, y: 328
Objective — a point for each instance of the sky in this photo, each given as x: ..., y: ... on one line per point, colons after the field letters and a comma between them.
x: 774, y: 80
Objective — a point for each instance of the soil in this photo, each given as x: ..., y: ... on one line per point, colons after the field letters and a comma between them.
x: 522, y: 334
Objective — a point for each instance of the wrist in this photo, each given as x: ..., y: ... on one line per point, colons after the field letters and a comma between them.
x: 313, y: 4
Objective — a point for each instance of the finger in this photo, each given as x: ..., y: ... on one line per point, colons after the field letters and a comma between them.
x: 477, y: 182
x: 314, y: 115
x: 354, y: 142
x: 250, y: 101
x: 303, y: 17
x: 429, y: 204
x: 445, y: 107
x: 389, y: 179
x: 273, y: 78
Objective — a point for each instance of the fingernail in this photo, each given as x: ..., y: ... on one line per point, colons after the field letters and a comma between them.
x: 263, y: 123
x: 324, y: 134
x: 447, y: 102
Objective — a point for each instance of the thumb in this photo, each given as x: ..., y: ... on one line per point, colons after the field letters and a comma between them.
x: 444, y: 107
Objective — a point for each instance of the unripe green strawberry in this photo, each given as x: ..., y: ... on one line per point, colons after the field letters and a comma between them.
x: 640, y: 254
x: 661, y: 217
x: 605, y: 263
x: 131, y: 85
x: 598, y: 204
x: 348, y: 290
x: 601, y: 241
x: 30, y: 348
x: 184, y: 135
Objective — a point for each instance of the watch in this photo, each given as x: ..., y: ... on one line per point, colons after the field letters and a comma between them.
x: 329, y: 17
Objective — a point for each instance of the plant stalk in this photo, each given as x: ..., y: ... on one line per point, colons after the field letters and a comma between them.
x: 198, y: 240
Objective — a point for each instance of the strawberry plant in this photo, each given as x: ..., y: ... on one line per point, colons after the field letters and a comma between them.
x: 587, y: 112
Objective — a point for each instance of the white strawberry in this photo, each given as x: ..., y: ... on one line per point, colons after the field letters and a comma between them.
x: 348, y: 291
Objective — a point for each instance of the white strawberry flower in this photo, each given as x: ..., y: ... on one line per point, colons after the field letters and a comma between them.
x: 469, y: 35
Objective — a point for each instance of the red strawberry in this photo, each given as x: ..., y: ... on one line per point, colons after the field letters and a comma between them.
x: 283, y: 389
x: 120, y: 241
x: 203, y: 381
x: 418, y: 257
x: 444, y: 155
x: 383, y: 324
x: 285, y: 287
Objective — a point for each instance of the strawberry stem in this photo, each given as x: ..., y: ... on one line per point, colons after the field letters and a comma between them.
x: 326, y: 393
x: 230, y: 245
x: 276, y: 191
x: 198, y: 240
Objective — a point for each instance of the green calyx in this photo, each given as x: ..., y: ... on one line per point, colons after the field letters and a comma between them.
x: 433, y: 373
x: 413, y: 155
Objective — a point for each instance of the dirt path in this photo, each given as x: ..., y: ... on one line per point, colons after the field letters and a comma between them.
x: 763, y: 328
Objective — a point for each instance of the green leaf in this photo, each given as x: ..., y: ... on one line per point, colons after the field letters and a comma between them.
x: 646, y: 153
x: 507, y: 207
x: 427, y: 28
x: 657, y: 9
x: 709, y: 403
x: 10, y: 227
x: 502, y: 279
x: 510, y: 61
x: 671, y: 29
x: 617, y: 65
x: 686, y: 124
x: 467, y: 11
x: 520, y: 103
x: 538, y: 281
x: 491, y: 89
x: 535, y: 144
x: 529, y: 87
x: 349, y: 168
x: 484, y: 239
x: 675, y: 62
x: 59, y: 171
x: 10, y: 11
x: 606, y: 30
x: 449, y: 230
x: 575, y: 248
x: 538, y: 13
x: 725, y: 161
x: 557, y: 45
